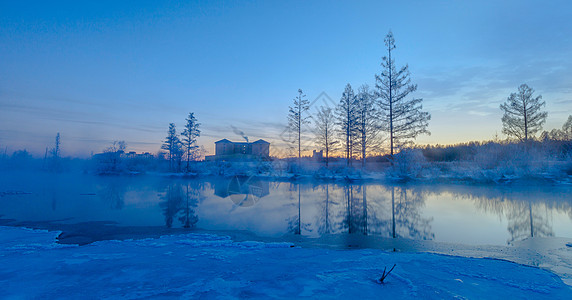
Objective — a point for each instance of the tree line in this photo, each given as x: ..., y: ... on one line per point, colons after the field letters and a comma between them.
x: 387, y: 118
x: 185, y: 147
x: 356, y: 125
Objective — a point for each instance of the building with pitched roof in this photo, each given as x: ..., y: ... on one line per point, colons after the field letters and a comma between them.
x: 227, y: 150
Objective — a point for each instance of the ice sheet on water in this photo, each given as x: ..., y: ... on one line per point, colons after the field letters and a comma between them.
x: 20, y: 239
x: 197, y: 265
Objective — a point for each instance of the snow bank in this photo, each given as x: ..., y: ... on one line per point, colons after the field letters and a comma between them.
x: 201, y: 265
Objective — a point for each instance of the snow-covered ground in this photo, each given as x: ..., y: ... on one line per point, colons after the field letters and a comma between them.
x: 209, y: 266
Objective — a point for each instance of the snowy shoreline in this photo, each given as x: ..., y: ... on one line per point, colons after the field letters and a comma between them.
x: 359, y: 176
x: 206, y: 265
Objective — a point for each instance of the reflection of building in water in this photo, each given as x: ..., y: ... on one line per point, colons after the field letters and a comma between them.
x: 227, y: 150
x: 243, y: 191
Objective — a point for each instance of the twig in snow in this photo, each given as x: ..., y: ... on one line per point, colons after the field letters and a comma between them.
x: 384, y: 275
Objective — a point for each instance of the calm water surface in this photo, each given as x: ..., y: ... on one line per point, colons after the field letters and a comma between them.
x: 466, y: 214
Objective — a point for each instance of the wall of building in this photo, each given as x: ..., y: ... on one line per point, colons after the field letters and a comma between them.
x: 261, y: 149
x: 228, y: 149
x: 224, y: 148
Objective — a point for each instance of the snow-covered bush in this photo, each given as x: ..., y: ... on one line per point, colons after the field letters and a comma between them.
x: 408, y: 163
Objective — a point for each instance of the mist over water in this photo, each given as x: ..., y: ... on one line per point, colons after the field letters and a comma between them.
x: 464, y: 214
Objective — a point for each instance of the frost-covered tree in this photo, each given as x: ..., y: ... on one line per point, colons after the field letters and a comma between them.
x: 190, y: 135
x: 297, y: 118
x: 367, y: 126
x: 325, y: 131
x: 346, y: 116
x: 564, y: 134
x: 523, y: 116
x: 56, y: 149
x: 56, y: 154
x: 403, y: 117
x: 110, y: 160
x: 567, y: 128
x: 173, y: 145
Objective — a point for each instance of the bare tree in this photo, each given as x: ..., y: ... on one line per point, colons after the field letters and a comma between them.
x: 173, y: 145
x: 115, y: 147
x: 111, y: 160
x: 346, y: 119
x: 297, y: 118
x: 403, y: 117
x: 523, y: 117
x: 325, y: 130
x: 190, y: 135
x: 367, y: 126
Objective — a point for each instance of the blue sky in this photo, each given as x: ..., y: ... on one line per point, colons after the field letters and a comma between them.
x: 98, y: 71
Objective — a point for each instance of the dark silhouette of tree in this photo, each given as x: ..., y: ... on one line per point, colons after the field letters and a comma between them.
x: 297, y: 119
x: 346, y: 119
x: 190, y: 135
x: 56, y: 153
x: 173, y: 146
x: 403, y: 118
x: 56, y: 150
x: 325, y: 131
x: 522, y: 116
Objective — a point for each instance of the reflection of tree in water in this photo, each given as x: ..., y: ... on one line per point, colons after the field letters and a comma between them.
x: 113, y: 193
x: 527, y: 220
x: 188, y: 215
x: 172, y: 204
x: 361, y: 209
x: 325, y: 210
x: 295, y: 224
x: 180, y: 200
x: 355, y: 215
x: 406, y: 216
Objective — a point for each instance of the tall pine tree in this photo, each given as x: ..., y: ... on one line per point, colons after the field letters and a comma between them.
x: 523, y: 116
x: 173, y: 145
x: 346, y: 115
x: 325, y: 131
x: 190, y: 135
x: 403, y: 117
x: 297, y: 118
x: 367, y: 126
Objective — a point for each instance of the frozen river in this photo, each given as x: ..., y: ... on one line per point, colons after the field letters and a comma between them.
x: 89, y: 208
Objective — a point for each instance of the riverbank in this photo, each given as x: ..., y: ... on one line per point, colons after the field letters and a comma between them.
x: 202, y: 265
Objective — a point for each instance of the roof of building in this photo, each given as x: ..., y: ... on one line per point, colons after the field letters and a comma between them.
x: 261, y: 142
x: 229, y: 142
x: 223, y: 141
